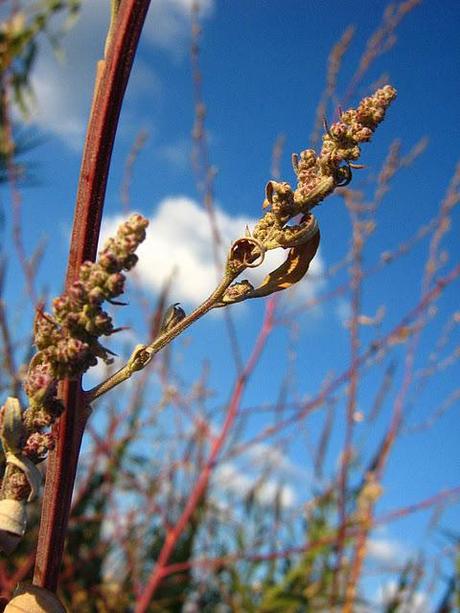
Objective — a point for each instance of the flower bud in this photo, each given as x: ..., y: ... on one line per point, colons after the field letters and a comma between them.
x: 173, y: 315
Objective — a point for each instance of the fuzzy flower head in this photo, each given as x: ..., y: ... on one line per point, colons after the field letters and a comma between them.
x: 68, y: 344
x: 68, y: 339
x: 317, y: 177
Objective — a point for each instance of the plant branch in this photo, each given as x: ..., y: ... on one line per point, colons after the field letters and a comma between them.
x: 111, y: 80
x: 143, y: 354
x: 200, y: 486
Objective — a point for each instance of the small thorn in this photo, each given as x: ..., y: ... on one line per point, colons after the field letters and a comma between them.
x: 120, y: 329
x: 326, y: 127
x: 110, y: 352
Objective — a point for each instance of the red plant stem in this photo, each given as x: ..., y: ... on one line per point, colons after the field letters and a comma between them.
x: 112, y: 78
x: 428, y: 298
x: 398, y: 408
x: 356, y: 278
x: 202, y: 482
x: 330, y: 539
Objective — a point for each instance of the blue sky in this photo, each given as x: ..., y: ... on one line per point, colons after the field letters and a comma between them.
x: 263, y: 66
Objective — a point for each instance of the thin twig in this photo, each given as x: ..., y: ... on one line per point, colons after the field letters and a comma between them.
x: 207, y: 470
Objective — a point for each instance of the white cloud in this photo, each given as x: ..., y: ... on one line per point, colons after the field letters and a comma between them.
x: 179, y: 242
x: 410, y: 603
x: 63, y: 89
x: 270, y: 457
x: 231, y: 480
x: 176, y: 154
x: 267, y: 472
x: 387, y: 551
x: 168, y: 23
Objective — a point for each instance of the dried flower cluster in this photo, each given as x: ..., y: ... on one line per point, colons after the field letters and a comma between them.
x: 68, y: 342
x: 317, y: 177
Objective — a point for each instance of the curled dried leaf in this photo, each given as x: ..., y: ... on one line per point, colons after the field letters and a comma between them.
x: 291, y: 271
x: 12, y: 429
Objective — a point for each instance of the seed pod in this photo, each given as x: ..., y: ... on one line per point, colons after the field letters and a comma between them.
x: 12, y: 426
x: 13, y: 521
x: 173, y: 315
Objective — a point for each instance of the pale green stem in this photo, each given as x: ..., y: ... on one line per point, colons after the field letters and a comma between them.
x: 114, y: 7
x: 143, y: 354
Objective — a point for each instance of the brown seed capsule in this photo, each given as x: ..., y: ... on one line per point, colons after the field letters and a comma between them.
x: 13, y: 520
x: 34, y: 599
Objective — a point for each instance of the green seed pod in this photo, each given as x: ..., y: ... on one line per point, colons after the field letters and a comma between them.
x: 173, y: 315
x: 12, y: 430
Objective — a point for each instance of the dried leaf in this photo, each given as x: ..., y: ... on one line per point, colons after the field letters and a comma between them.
x: 292, y: 270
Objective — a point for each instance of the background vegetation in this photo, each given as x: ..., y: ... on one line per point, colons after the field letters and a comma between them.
x: 180, y: 502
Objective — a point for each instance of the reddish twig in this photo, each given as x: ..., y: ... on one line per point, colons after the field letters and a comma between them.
x: 16, y: 199
x: 397, y: 418
x: 136, y: 148
x: 9, y: 364
x: 204, y: 170
x: 334, y: 64
x: 356, y: 287
x: 111, y: 81
x: 427, y: 299
x: 202, y: 482
x: 381, y: 41
x: 352, y: 530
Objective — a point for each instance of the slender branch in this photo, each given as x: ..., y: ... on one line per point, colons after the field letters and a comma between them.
x: 202, y: 482
x: 143, y: 354
x: 9, y: 364
x: 333, y: 385
x: 352, y: 530
x: 112, y: 77
x: 205, y: 172
x: 352, y: 394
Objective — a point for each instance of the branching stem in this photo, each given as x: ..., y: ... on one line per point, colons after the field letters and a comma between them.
x: 143, y: 354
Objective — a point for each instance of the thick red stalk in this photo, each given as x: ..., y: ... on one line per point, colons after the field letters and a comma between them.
x: 112, y: 78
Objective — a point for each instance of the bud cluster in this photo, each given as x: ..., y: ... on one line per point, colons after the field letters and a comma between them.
x: 340, y: 146
x: 67, y: 340
x: 317, y: 177
x: 319, y: 174
x: 355, y: 126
